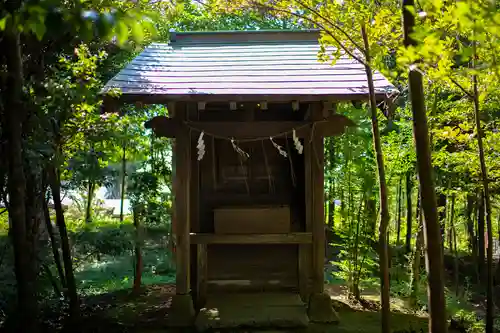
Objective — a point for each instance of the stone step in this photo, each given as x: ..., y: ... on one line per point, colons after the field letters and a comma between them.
x: 252, y: 310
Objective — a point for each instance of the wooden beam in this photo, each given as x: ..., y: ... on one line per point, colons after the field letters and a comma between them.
x: 132, y: 97
x: 182, y: 200
x: 334, y: 125
x: 289, y: 238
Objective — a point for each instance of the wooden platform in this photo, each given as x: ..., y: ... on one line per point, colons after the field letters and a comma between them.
x: 255, y: 310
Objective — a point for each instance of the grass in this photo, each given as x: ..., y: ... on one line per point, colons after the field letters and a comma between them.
x: 113, y: 273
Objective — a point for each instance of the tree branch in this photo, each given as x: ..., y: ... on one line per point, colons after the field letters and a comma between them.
x: 465, y: 91
x: 319, y: 25
x: 331, y: 23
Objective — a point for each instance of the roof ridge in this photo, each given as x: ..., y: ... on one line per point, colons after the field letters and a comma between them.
x: 256, y: 31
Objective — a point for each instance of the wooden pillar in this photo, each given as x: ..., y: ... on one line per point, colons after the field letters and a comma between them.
x: 305, y: 250
x: 182, y: 179
x: 317, y: 212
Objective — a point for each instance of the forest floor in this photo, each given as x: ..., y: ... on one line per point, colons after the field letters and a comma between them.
x: 121, y: 311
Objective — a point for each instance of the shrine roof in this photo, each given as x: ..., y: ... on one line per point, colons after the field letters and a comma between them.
x: 242, y: 65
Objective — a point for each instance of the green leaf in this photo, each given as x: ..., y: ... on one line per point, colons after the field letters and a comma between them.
x: 38, y: 28
x: 137, y: 31
x: 122, y: 32
x: 3, y: 21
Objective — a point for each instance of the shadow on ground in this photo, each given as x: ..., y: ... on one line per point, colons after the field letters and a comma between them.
x: 148, y: 312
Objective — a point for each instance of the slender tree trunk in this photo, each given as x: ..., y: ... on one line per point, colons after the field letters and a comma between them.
x: 53, y: 244
x: 415, y: 271
x: 355, y: 280
x: 331, y: 208
x: 498, y: 225
x: 484, y: 175
x: 480, y: 236
x: 138, y: 211
x: 90, y: 195
x: 434, y: 255
x: 27, y: 306
x: 441, y: 204
x: 384, y: 207
x: 469, y: 208
x: 398, y: 237
x: 409, y: 211
x: 453, y: 245
x: 66, y: 251
x: 124, y: 175
x: 52, y: 280
x: 449, y: 234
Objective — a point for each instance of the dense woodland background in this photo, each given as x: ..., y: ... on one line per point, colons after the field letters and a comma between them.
x: 55, y: 141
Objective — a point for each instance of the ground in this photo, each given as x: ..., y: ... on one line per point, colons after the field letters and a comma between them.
x: 148, y: 312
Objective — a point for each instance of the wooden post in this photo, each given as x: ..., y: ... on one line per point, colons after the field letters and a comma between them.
x: 305, y: 250
x: 317, y: 202
x: 182, y: 179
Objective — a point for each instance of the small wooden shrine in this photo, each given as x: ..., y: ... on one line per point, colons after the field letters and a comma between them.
x: 249, y: 112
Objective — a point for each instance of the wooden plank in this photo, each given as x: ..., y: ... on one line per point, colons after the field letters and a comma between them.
x: 250, y: 266
x: 289, y: 238
x: 317, y: 205
x: 168, y: 127
x: 182, y: 200
x: 201, y: 280
x: 252, y: 220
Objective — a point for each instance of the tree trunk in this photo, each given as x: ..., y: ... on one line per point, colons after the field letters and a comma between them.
x: 470, y: 226
x: 453, y: 245
x: 27, y: 306
x: 409, y: 211
x: 442, y: 216
x: 332, y: 188
x: 434, y: 255
x: 138, y: 212
x: 66, y: 251
x: 53, y: 244
x: 384, y: 208
x: 398, y: 226
x: 355, y: 279
x: 90, y: 195
x: 498, y: 225
x: 484, y: 176
x: 124, y: 175
x: 449, y: 234
x: 415, y: 267
x: 480, y: 236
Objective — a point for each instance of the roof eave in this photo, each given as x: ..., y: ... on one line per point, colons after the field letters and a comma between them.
x: 111, y: 103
